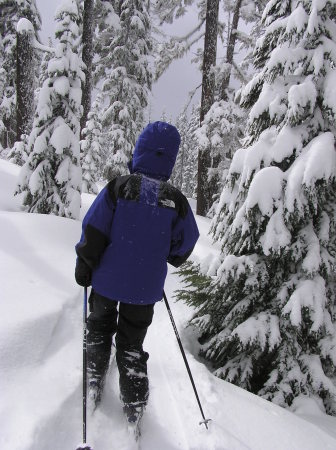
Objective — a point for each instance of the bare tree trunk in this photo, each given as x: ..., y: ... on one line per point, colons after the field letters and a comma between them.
x: 208, y: 86
x: 230, y: 49
x: 25, y: 75
x: 87, y: 59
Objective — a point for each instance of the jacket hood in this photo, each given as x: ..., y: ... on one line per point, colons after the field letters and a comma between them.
x: 156, y: 150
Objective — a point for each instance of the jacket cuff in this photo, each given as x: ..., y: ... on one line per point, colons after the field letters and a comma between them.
x: 178, y: 260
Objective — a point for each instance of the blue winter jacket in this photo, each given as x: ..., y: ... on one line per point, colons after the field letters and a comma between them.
x: 138, y: 223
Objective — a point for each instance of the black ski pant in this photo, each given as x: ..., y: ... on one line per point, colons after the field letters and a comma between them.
x: 130, y: 325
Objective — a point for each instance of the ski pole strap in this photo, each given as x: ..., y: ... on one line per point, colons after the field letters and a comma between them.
x: 204, y: 421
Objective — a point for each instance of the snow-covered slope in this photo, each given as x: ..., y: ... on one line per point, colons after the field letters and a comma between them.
x: 41, y: 352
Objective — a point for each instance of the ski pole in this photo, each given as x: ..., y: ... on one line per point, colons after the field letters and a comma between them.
x: 84, y: 446
x: 204, y: 421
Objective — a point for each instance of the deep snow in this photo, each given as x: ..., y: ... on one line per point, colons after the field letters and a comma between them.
x: 41, y: 359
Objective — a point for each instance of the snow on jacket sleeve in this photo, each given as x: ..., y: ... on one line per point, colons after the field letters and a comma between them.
x: 96, y: 229
x: 184, y: 237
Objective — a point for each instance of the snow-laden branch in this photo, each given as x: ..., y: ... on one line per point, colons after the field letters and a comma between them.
x: 43, y: 48
x: 190, y: 97
x: 171, y: 51
x: 25, y: 26
x: 189, y: 34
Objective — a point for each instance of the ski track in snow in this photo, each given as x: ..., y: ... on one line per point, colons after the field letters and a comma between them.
x: 41, y: 360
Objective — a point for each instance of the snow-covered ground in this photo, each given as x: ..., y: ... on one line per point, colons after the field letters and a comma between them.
x: 41, y: 360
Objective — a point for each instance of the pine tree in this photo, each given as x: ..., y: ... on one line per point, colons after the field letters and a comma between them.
x: 91, y: 149
x: 43, y: 72
x: 126, y: 79
x: 179, y: 167
x: 219, y: 135
x: 18, y: 154
x: 189, y: 185
x: 184, y: 175
x: 51, y: 177
x: 266, y: 307
x: 11, y: 11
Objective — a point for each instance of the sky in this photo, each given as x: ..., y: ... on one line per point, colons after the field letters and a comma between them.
x: 170, y: 93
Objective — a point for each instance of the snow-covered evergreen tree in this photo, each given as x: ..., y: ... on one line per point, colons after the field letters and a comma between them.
x: 220, y: 134
x: 177, y: 174
x: 178, y: 171
x: 184, y: 175
x: 43, y: 72
x: 266, y: 307
x: 11, y: 11
x: 165, y: 118
x: 189, y: 185
x: 91, y: 151
x: 18, y: 154
x: 51, y: 177
x: 126, y: 79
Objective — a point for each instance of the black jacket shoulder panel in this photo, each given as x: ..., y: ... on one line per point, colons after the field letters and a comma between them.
x: 128, y: 187
x: 131, y: 188
x: 171, y: 197
x: 115, y: 187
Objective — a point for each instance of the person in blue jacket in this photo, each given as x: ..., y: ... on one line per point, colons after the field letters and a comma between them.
x: 136, y: 225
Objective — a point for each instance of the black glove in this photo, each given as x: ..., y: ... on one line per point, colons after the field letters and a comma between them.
x: 82, y: 273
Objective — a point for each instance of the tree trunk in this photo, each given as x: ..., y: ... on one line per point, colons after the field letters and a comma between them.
x: 87, y: 59
x: 25, y: 76
x: 208, y: 87
x: 230, y: 49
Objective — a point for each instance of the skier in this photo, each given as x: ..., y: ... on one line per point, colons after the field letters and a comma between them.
x: 137, y: 224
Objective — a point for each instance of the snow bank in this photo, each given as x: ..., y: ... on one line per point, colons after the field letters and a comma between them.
x: 8, y: 179
x: 32, y: 249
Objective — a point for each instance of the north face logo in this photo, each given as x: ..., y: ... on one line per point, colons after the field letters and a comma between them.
x: 167, y: 203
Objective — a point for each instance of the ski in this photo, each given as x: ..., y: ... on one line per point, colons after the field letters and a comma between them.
x: 134, y: 430
x: 95, y: 394
x: 133, y: 415
x: 96, y: 387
